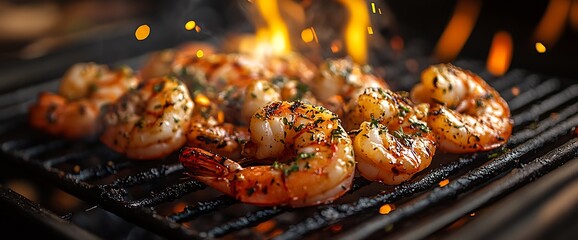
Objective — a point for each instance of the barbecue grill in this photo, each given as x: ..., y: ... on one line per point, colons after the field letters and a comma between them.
x: 526, y: 189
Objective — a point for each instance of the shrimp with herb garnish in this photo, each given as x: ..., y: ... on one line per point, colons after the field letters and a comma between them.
x: 467, y: 115
x: 392, y: 141
x: 85, y: 88
x: 150, y: 122
x: 310, y: 156
x: 344, y: 78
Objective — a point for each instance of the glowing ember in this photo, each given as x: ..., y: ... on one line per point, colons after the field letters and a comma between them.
x: 444, y: 182
x: 200, y: 53
x: 142, y: 32
x: 336, y: 228
x: 385, y: 209
x: 190, y: 25
x: 472, y: 214
x: 396, y: 43
x: 458, y: 30
x: 274, y: 38
x: 553, y: 22
x: 308, y: 35
x: 265, y: 226
x: 500, y: 55
x: 197, y: 28
x: 373, y: 7
x: 355, y: 36
x: 370, y: 30
x: 179, y: 207
x: 275, y: 233
x: 515, y: 91
x: 335, y: 46
x: 540, y: 47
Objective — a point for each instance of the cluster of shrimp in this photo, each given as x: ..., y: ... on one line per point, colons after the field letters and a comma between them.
x: 282, y: 116
x: 73, y: 112
x: 452, y: 110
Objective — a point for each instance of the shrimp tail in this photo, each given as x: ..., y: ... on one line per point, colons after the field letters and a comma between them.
x: 200, y: 162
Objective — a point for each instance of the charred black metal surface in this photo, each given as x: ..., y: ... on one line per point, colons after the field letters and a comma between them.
x: 146, y: 193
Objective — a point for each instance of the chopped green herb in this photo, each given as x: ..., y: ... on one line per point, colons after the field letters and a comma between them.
x: 300, y: 127
x: 276, y: 165
x: 419, y: 125
x: 336, y: 132
x: 306, y: 155
x: 288, y: 170
x: 403, y: 110
x: 374, y: 122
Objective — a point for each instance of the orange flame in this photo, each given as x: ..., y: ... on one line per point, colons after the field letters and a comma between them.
x: 274, y: 38
x: 500, y: 54
x: 356, y: 30
x: 574, y: 15
x: 458, y: 30
x: 553, y: 22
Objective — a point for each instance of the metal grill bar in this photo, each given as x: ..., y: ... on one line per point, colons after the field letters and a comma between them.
x: 540, y: 91
x: 168, y: 194
x: 529, y: 83
x: 511, y: 79
x: 470, y: 180
x: 149, y: 175
x: 31, y: 152
x: 201, y: 208
x: 98, y: 171
x: 546, y: 106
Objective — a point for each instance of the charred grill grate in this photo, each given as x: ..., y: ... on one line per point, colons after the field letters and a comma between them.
x: 141, y: 192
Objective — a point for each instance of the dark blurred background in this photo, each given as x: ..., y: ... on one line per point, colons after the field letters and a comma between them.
x: 39, y: 39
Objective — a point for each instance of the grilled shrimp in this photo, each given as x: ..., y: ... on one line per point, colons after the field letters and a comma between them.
x: 293, y: 66
x: 150, y: 122
x: 393, y: 142
x: 57, y: 115
x: 344, y: 78
x: 257, y: 95
x: 85, y: 88
x: 161, y: 63
x: 309, y: 154
x: 467, y: 115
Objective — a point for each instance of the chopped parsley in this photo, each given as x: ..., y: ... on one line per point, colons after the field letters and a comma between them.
x: 403, y: 110
x: 419, y: 125
x: 305, y: 155
x: 288, y: 170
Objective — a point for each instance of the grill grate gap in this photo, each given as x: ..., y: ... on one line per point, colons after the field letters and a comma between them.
x: 168, y: 194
